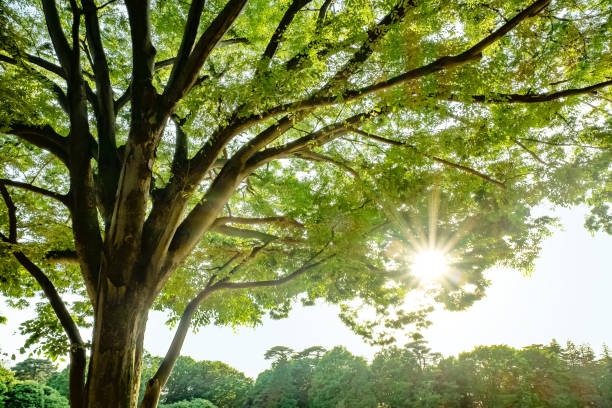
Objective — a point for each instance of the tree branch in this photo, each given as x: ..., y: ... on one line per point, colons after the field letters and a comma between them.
x: 280, y: 220
x: 43, y: 63
x: 189, y: 37
x: 275, y: 282
x: 317, y: 157
x: 125, y: 97
x: 434, y: 158
x: 323, y: 13
x: 12, y: 214
x: 142, y: 91
x: 59, y: 92
x: 104, y: 90
x: 373, y: 36
x: 67, y: 257
x: 317, y: 138
x: 531, y: 152
x: 44, y: 137
x: 534, y: 98
x: 58, y: 38
x: 169, y: 62
x: 565, y: 144
x: 158, y: 381
x: 62, y: 198
x: 277, y: 37
x: 473, y: 53
x: 181, y: 146
x: 77, y: 347
x: 242, y: 233
x: 185, y: 77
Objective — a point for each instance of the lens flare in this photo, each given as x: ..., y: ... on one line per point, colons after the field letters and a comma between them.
x: 429, y: 264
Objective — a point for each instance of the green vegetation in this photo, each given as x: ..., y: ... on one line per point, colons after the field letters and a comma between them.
x: 221, y: 160
x: 536, y: 376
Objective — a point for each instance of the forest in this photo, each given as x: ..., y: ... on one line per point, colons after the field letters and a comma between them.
x: 412, y: 376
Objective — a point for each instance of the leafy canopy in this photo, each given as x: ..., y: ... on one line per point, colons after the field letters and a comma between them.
x: 378, y: 129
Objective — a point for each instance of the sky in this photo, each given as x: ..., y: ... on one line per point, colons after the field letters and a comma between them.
x: 567, y: 297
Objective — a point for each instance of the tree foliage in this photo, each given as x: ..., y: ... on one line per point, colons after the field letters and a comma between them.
x: 413, y: 376
x: 31, y: 394
x: 194, y: 403
x: 217, y: 382
x: 221, y: 160
x: 35, y: 369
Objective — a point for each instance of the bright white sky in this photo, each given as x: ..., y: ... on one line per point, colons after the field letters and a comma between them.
x: 567, y: 298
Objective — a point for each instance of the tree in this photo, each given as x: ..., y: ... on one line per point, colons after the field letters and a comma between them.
x: 220, y: 160
x: 30, y: 394
x: 60, y: 382
x: 404, y: 377
x: 287, y: 383
x: 341, y: 380
x: 214, y: 381
x: 604, y: 382
x: 195, y: 403
x: 7, y: 378
x: 34, y: 369
x: 276, y: 388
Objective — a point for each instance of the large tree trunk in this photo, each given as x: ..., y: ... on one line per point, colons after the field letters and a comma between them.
x: 116, y: 356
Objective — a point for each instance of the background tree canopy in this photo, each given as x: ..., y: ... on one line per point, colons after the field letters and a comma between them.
x: 221, y: 160
x: 412, y: 376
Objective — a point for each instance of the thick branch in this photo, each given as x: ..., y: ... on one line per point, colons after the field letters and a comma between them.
x: 43, y: 63
x: 125, y: 97
x: 277, y: 37
x: 42, y: 136
x: 58, y: 38
x: 474, y: 53
x: 189, y: 37
x: 106, y: 108
x: 143, y: 57
x: 62, y: 198
x: 155, y: 384
x: 203, y: 214
x: 181, y: 146
x: 67, y: 257
x: 323, y: 13
x: 77, y: 347
x: 534, y: 98
x: 274, y: 282
x: 84, y: 211
x: 186, y: 77
x: 12, y: 214
x: 373, y: 36
x: 317, y: 138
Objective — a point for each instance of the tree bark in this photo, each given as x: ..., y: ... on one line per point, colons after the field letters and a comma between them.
x: 116, y: 355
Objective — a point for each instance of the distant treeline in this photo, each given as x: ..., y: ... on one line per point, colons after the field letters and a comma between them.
x: 536, y: 376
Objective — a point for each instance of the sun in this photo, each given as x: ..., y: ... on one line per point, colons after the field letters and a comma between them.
x: 429, y: 264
